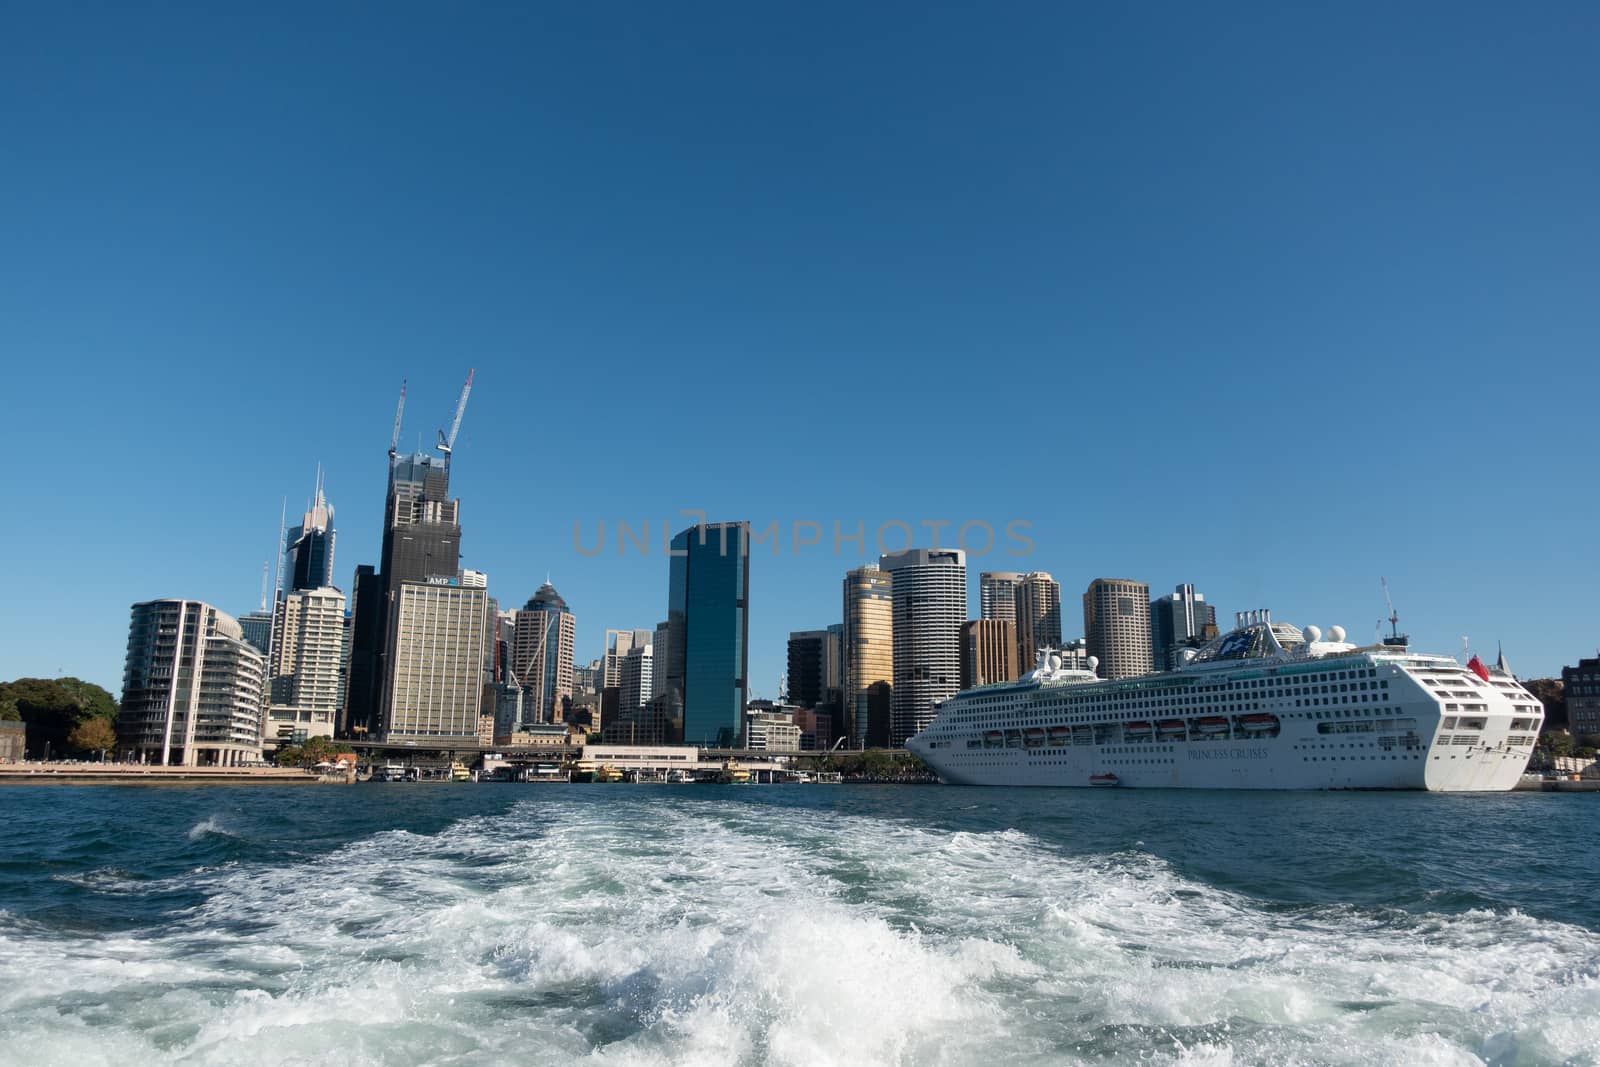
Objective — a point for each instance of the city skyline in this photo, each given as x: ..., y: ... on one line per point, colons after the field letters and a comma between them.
x: 1316, y: 298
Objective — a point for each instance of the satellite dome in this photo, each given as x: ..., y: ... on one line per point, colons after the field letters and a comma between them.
x: 1336, y: 633
x: 1055, y: 662
x: 1313, y: 633
x: 1093, y: 662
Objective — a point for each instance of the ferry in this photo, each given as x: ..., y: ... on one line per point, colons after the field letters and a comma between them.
x: 1265, y: 706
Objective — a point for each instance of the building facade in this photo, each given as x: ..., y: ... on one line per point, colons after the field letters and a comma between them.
x: 929, y: 593
x: 707, y: 663
x: 305, y: 676
x: 1582, y: 687
x: 192, y: 688
x: 1116, y: 625
x: 989, y: 652
x: 618, y: 642
x: 308, y: 547
x: 638, y: 676
x: 1177, y: 621
x: 868, y: 640
x: 435, y: 683
x: 543, y: 639
x: 997, y: 595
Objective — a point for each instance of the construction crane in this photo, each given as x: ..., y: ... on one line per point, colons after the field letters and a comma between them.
x: 1395, y: 638
x: 400, y: 409
x: 447, y: 443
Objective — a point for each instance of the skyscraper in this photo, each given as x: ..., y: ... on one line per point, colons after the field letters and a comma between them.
x: 542, y: 656
x: 435, y: 662
x: 191, y: 687
x: 638, y: 673
x: 304, y: 669
x: 1116, y: 625
x: 618, y: 642
x: 707, y: 665
x: 997, y: 592
x: 989, y: 652
x: 930, y: 603
x: 806, y: 655
x: 1177, y: 620
x: 868, y: 640
x: 308, y: 547
x: 421, y: 542
x: 1038, y: 605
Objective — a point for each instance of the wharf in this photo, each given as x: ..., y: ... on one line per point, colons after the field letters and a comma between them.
x: 140, y: 774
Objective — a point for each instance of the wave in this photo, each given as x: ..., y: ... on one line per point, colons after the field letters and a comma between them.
x: 649, y: 931
x: 210, y: 826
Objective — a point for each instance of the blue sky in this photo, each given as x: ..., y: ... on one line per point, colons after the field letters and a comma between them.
x: 1273, y: 301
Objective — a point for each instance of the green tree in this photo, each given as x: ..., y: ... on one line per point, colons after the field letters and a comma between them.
x: 53, y: 708
x: 93, y: 735
x: 314, y: 751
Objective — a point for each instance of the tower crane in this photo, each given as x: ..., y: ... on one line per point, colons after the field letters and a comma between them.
x: 400, y: 409
x: 448, y: 442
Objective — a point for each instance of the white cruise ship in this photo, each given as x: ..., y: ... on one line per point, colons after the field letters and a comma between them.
x: 1266, y: 706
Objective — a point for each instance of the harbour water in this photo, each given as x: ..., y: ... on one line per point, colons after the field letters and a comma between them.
x: 403, y: 924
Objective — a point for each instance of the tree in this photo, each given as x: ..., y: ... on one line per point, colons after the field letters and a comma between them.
x: 1553, y: 695
x: 52, y: 708
x: 93, y: 735
x: 315, y: 750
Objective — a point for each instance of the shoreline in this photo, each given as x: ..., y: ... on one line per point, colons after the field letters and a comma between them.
x: 134, y: 774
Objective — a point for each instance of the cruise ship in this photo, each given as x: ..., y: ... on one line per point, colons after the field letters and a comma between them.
x: 1266, y: 706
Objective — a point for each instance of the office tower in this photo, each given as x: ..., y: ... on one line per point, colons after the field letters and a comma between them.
x: 257, y: 630
x: 368, y: 625
x: 868, y: 637
x: 807, y: 654
x: 303, y: 678
x: 659, y: 642
x: 989, y: 652
x: 191, y: 687
x: 541, y: 656
x: 1038, y: 606
x: 618, y: 642
x: 1116, y: 625
x: 435, y: 683
x: 1178, y: 620
x: 708, y: 632
x: 308, y: 547
x: 930, y: 603
x: 997, y: 592
x: 638, y: 673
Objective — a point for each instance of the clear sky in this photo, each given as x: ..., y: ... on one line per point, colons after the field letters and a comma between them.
x: 1269, y: 299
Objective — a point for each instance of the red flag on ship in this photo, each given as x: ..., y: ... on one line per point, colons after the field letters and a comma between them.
x: 1475, y: 665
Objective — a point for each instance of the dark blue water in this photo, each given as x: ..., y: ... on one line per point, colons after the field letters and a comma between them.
x: 796, y: 924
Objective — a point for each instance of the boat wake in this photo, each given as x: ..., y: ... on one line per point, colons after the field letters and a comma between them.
x: 641, y: 931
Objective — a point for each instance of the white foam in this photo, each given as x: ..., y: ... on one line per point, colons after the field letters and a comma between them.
x: 647, y: 932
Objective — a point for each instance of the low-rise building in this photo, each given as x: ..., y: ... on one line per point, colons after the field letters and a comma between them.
x: 1582, y: 687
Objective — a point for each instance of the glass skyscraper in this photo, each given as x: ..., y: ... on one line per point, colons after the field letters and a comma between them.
x: 707, y: 676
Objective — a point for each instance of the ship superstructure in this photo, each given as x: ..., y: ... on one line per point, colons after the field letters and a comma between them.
x: 1266, y: 706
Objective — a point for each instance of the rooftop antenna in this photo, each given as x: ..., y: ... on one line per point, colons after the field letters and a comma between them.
x: 265, y: 570
x: 399, y: 411
x: 283, y: 528
x: 1466, y: 647
x: 448, y: 442
x: 1395, y: 638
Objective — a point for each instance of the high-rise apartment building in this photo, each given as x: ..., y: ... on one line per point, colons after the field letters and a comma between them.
x: 868, y: 643
x: 1116, y: 625
x: 989, y: 652
x: 1038, y: 607
x: 257, y: 629
x: 304, y: 675
x: 1177, y: 621
x: 191, y: 687
x: 707, y: 664
x: 435, y: 681
x: 541, y: 656
x: 997, y: 595
x: 929, y: 592
x: 308, y: 547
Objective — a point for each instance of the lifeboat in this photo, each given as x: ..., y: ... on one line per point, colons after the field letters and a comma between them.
x: 1136, y: 731
x: 1255, y: 724
x: 993, y: 739
x: 1212, y: 725
x: 1060, y: 735
x: 1033, y: 736
x: 1171, y: 726
x: 1107, y: 779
